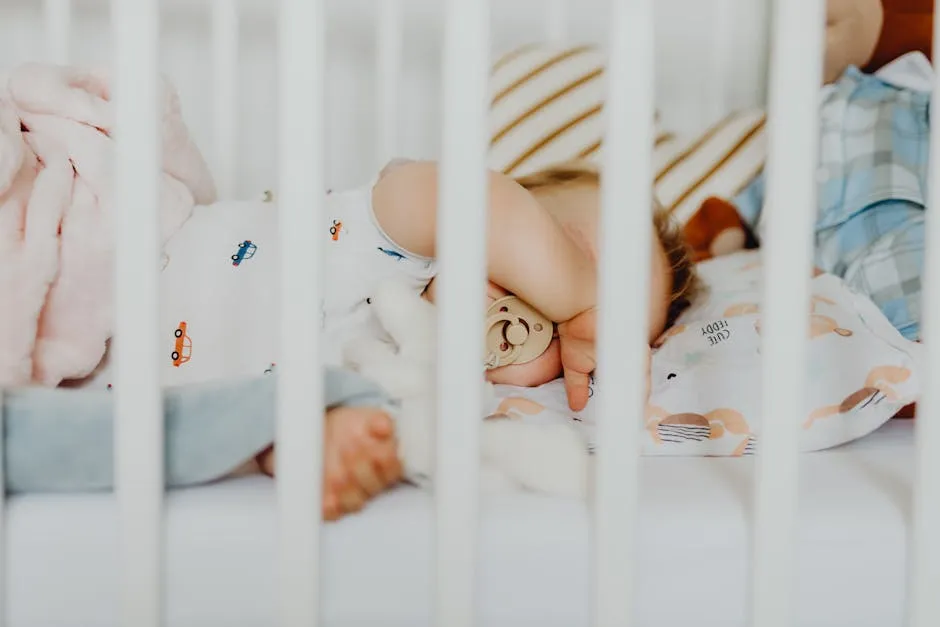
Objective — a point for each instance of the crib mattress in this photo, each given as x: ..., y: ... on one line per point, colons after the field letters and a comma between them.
x: 535, y: 551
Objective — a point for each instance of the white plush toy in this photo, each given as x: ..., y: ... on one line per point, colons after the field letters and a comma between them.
x: 549, y: 458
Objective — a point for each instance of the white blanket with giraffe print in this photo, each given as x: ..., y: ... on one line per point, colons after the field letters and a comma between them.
x: 706, y: 371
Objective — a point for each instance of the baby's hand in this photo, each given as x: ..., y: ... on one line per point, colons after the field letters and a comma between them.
x: 578, y: 356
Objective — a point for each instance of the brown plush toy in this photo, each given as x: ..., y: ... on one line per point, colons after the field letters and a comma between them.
x: 715, y: 229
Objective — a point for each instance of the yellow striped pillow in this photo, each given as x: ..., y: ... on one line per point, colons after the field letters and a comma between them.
x: 545, y: 109
x: 718, y: 162
x: 696, y: 177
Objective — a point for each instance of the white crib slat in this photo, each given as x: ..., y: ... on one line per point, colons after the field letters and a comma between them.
x: 225, y: 94
x: 301, y: 191
x: 388, y: 69
x: 138, y: 436
x: 787, y: 254
x: 3, y: 520
x: 556, y: 20
x: 623, y: 316
x: 461, y: 227
x: 923, y: 601
x: 57, y: 15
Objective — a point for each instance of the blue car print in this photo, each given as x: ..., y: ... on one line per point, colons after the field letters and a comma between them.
x: 246, y: 250
x: 394, y: 254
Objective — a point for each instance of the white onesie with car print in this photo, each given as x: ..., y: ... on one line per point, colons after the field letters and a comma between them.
x: 221, y: 282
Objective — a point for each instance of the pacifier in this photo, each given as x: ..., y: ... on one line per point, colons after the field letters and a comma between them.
x: 515, y: 333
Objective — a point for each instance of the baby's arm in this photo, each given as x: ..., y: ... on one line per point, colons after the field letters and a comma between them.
x: 528, y: 253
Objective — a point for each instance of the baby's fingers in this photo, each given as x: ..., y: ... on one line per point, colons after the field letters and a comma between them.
x: 577, y: 387
x: 578, y: 362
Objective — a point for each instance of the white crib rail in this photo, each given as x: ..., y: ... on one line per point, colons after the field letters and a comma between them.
x: 138, y: 428
x: 301, y: 63
x: 623, y: 296
x: 225, y: 94
x: 388, y: 50
x: 923, y: 600
x: 556, y: 20
x: 462, y: 220
x: 57, y: 15
x: 795, y: 78
x: 4, y: 605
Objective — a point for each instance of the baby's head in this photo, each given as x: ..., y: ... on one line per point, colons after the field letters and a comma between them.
x: 570, y: 192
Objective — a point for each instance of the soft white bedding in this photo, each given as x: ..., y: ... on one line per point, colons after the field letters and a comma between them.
x: 705, y: 373
x: 693, y: 548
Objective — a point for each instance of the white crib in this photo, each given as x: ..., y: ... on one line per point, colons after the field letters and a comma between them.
x: 830, y: 540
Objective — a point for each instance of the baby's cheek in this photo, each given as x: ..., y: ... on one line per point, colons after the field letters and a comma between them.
x: 544, y: 368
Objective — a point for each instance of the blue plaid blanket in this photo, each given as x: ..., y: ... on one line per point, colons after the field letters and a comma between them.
x: 872, y: 174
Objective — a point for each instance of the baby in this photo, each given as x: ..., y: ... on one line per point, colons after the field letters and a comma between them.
x: 220, y: 292
x: 542, y: 247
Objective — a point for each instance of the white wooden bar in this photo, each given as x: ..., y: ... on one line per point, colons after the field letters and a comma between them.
x: 462, y: 219
x: 225, y: 94
x: 301, y: 190
x: 3, y: 521
x: 789, y: 211
x: 556, y: 20
x: 388, y: 68
x: 623, y: 286
x: 57, y: 15
x: 138, y: 429
x: 923, y: 600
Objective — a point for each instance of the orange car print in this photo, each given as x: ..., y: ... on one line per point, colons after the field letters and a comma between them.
x: 335, y: 229
x: 183, y: 348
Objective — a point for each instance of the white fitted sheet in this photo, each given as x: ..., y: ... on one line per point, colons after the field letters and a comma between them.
x: 535, y: 565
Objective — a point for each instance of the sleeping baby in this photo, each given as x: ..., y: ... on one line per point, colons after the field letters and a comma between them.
x: 542, y: 245
x: 220, y: 293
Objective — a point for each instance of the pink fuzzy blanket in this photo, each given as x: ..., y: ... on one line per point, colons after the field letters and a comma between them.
x: 56, y: 209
